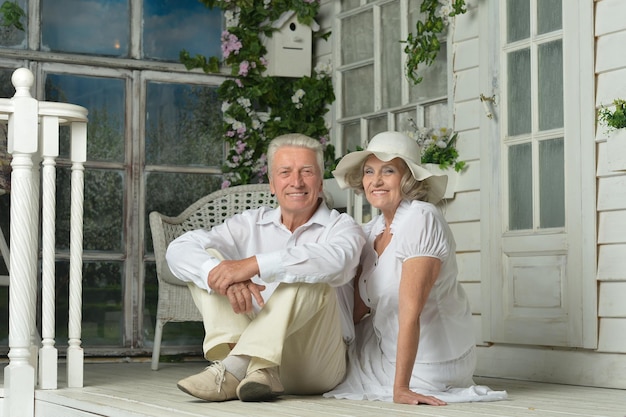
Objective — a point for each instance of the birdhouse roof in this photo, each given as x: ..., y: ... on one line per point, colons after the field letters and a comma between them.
x: 285, y: 17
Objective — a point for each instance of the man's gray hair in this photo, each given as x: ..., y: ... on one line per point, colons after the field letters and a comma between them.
x: 297, y: 140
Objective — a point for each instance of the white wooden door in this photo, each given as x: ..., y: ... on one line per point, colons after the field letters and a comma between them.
x: 538, y: 202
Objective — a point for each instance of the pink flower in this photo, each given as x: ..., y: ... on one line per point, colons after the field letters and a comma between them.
x: 230, y: 134
x: 244, y: 67
x: 225, y: 184
x: 240, y: 147
x: 239, y: 83
x: 230, y: 44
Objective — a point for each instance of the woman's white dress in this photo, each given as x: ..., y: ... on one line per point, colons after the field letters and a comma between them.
x: 445, y: 358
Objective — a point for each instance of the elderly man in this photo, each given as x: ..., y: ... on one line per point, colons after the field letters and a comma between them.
x: 265, y: 282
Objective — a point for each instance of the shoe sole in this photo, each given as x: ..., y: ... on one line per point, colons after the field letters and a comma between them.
x: 254, y: 392
x: 186, y: 391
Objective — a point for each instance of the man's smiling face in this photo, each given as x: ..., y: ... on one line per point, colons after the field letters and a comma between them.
x: 296, y: 181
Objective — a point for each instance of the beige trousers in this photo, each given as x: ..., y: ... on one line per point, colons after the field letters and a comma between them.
x: 298, y: 329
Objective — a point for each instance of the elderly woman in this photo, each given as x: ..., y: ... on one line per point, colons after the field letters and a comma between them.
x: 414, y: 334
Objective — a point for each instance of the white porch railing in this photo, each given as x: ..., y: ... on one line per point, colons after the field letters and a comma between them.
x: 33, y: 139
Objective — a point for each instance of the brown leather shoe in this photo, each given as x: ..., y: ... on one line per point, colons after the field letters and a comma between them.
x: 260, y: 385
x: 212, y: 384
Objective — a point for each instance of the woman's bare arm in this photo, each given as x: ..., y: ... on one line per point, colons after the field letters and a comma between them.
x: 418, y: 277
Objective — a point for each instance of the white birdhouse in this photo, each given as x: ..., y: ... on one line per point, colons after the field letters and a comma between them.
x: 289, y: 49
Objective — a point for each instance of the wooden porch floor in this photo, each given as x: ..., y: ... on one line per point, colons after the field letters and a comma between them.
x: 133, y: 390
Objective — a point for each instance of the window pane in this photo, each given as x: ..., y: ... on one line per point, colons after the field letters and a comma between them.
x: 171, y: 193
x: 11, y: 37
x: 102, y: 310
x: 552, y: 183
x: 6, y: 91
x: 519, y: 107
x: 357, y: 39
x: 103, y: 222
x: 351, y: 136
x: 376, y: 125
x: 358, y: 91
x: 436, y: 115
x: 349, y: 4
x: 392, y: 70
x: 435, y: 82
x: 403, y: 120
x: 518, y: 19
x: 189, y: 333
x: 549, y: 15
x: 183, y: 125
x: 520, y: 187
x: 4, y: 311
x: 69, y: 26
x: 550, y: 85
x: 172, y: 25
x: 104, y: 99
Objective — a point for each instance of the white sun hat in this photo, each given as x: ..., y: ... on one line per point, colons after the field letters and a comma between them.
x: 387, y: 146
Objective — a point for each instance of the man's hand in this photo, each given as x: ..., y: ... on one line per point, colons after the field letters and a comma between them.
x: 240, y: 296
x: 228, y: 272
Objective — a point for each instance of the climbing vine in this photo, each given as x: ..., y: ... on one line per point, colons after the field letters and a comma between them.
x: 423, y: 46
x: 257, y: 107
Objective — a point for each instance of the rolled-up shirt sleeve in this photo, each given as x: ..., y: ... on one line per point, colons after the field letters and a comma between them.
x: 188, y: 259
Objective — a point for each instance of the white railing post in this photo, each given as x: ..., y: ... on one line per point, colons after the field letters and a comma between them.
x: 29, y: 147
x: 74, y: 350
x: 19, y: 375
x: 48, y: 355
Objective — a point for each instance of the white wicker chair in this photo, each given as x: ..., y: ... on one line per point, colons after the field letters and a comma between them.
x: 175, y: 303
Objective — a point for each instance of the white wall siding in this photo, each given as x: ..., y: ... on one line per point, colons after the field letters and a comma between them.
x: 611, y: 193
x: 463, y: 212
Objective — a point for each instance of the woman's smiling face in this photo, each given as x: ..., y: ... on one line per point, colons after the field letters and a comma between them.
x: 381, y: 183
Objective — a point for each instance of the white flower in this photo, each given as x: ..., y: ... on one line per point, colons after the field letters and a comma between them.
x: 225, y: 106
x: 244, y: 102
x: 232, y: 18
x: 256, y: 124
x: 322, y: 69
x: 297, y: 96
x: 238, y: 125
x: 441, y: 144
x: 263, y: 116
x: 229, y: 120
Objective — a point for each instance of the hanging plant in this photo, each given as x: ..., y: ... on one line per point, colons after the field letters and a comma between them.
x: 256, y: 107
x: 11, y: 15
x: 423, y: 46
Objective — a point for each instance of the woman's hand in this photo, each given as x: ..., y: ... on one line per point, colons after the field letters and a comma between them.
x: 403, y: 395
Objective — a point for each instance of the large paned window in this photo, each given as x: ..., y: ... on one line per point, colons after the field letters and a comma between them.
x: 374, y: 94
x: 534, y: 62
x: 153, y: 143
